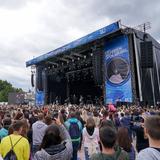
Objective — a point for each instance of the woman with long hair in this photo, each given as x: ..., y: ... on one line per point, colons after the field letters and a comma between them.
x: 124, y: 141
x: 56, y: 144
x: 90, y: 138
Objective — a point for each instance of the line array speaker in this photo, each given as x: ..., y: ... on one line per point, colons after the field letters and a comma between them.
x: 98, y: 67
x: 32, y: 80
x: 146, y: 54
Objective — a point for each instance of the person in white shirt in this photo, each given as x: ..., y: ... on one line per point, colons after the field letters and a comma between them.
x: 90, y: 140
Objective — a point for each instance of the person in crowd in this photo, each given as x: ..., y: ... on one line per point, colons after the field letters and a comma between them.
x: 48, y: 120
x: 104, y: 115
x: 108, y: 137
x: 20, y: 143
x: 141, y: 139
x: 152, y: 131
x: 64, y: 114
x: 74, y: 128
x: 56, y: 143
x: 125, y: 142
x: 33, y: 118
x: 96, y: 118
x: 78, y: 116
x: 117, y: 120
x: 25, y: 128
x: 38, y: 131
x: 4, y: 128
x: 90, y: 138
x: 126, y: 122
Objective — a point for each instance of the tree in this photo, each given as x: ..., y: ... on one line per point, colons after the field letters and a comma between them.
x: 5, y: 89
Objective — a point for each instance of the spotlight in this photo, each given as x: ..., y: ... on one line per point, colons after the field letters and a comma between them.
x: 91, y: 54
x: 78, y: 58
x: 85, y: 57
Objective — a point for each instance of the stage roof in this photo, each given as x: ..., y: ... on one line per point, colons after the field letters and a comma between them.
x: 79, y: 42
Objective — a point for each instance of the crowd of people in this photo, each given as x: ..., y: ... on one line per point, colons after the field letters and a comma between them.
x: 86, y: 132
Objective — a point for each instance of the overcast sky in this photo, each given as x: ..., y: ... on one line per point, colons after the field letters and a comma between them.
x: 29, y: 28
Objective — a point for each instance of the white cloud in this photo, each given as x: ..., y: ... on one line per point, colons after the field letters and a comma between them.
x: 33, y: 27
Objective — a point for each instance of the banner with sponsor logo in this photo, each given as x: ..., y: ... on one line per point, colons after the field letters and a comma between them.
x: 117, y: 71
x: 39, y: 98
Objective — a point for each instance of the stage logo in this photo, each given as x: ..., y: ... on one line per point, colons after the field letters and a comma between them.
x: 117, y: 71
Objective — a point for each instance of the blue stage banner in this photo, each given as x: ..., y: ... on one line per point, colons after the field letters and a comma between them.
x: 117, y: 68
x: 81, y: 41
x: 39, y: 98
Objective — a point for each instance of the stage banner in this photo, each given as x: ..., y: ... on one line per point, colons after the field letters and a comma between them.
x: 117, y: 71
x: 39, y: 98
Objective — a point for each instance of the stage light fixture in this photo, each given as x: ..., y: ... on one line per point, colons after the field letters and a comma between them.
x: 91, y: 54
x: 85, y: 56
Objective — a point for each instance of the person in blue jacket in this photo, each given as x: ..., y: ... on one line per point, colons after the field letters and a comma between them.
x: 74, y: 128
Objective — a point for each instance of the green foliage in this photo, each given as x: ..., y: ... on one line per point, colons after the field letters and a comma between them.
x: 5, y: 89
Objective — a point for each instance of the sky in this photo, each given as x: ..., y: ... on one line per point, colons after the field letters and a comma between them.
x: 29, y: 28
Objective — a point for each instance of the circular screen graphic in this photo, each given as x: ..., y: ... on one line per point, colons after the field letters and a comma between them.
x: 117, y: 70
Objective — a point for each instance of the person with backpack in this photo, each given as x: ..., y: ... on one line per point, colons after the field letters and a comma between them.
x: 74, y: 128
x: 90, y: 138
x: 110, y: 151
x: 15, y: 146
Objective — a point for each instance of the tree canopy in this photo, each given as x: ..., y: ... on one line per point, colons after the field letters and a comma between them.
x: 5, y: 89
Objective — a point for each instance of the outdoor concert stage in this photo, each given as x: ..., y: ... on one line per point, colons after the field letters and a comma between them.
x: 114, y: 64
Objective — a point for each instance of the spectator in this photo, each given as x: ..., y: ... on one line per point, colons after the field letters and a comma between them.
x: 96, y: 118
x: 109, y: 152
x: 21, y: 149
x: 4, y: 128
x: 56, y: 144
x: 74, y: 127
x: 126, y: 122
x: 125, y: 142
x: 90, y: 138
x: 152, y: 131
x: 48, y: 120
x: 38, y: 131
x: 117, y: 120
x: 141, y: 140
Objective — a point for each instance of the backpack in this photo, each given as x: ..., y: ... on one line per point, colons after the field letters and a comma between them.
x: 74, y: 131
x: 117, y: 156
x: 11, y: 154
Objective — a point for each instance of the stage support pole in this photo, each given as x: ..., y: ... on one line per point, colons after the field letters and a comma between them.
x: 45, y: 85
x: 157, y: 72
x: 152, y: 83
